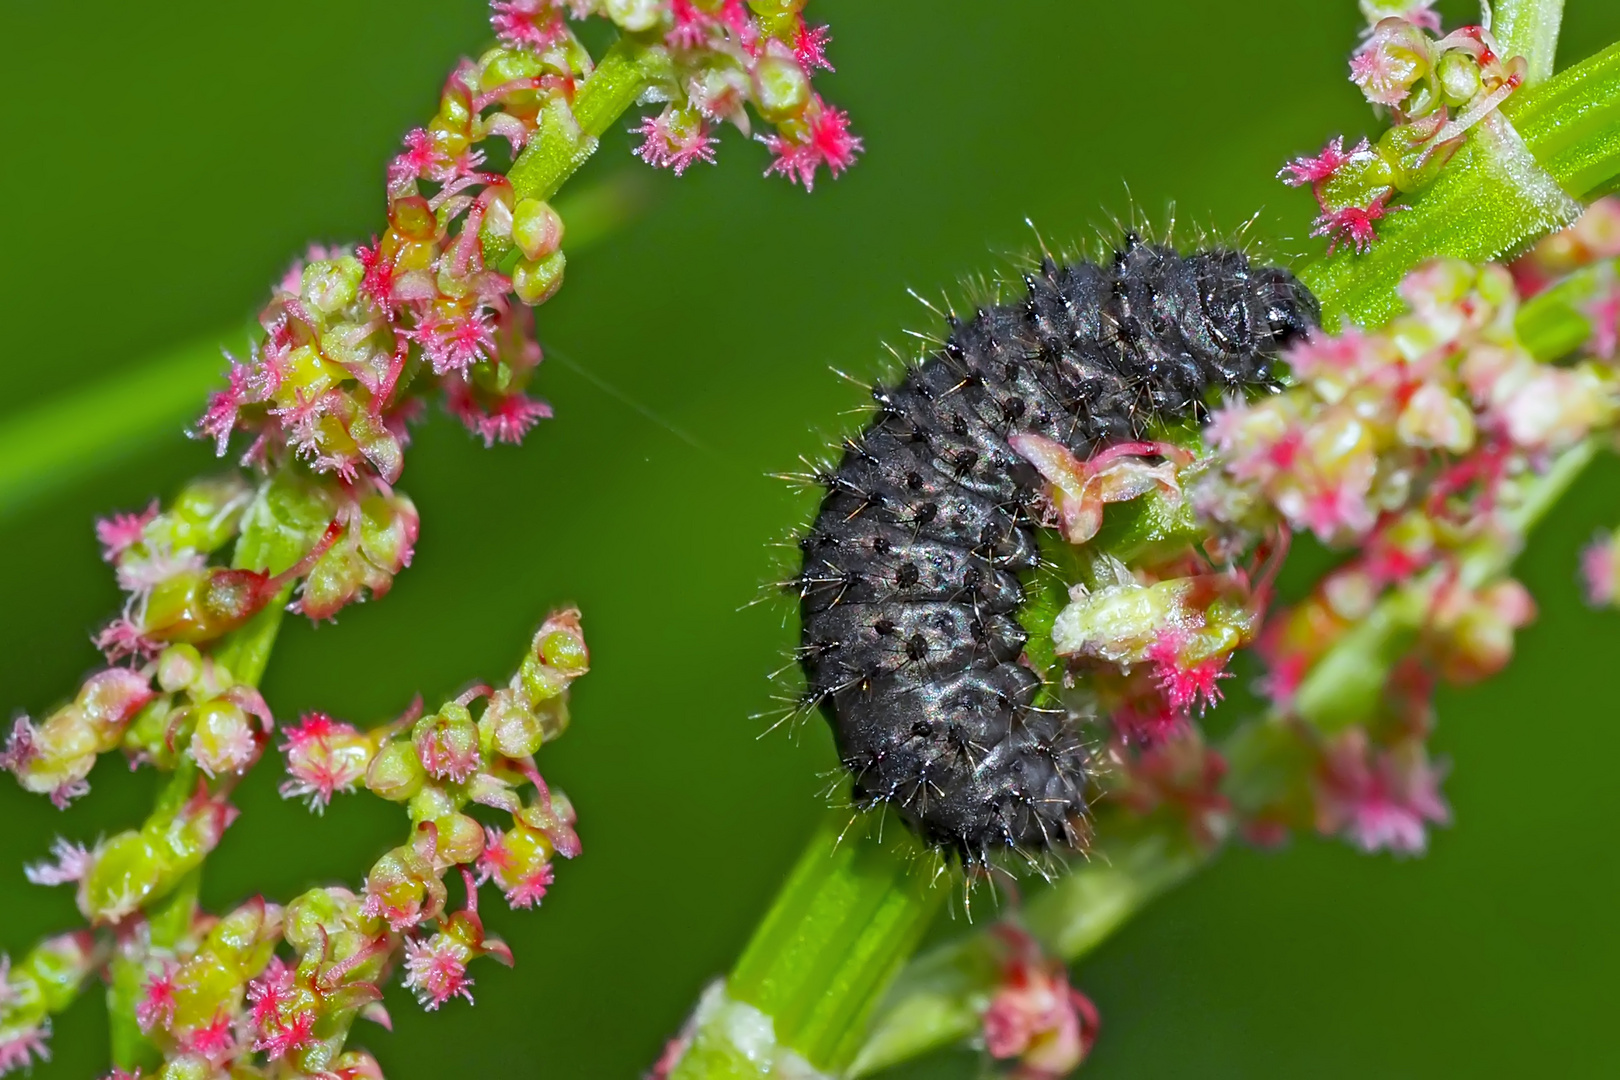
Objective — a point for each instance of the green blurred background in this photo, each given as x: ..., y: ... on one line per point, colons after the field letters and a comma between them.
x: 162, y: 163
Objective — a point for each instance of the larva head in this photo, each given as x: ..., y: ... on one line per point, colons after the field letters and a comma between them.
x: 1291, y: 311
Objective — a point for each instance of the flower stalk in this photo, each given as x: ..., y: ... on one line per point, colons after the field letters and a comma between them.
x: 852, y: 911
x: 353, y: 340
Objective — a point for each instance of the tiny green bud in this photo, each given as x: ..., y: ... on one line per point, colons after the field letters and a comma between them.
x: 128, y: 868
x: 781, y: 89
x: 330, y: 285
x: 178, y: 667
x: 635, y: 15
x: 1459, y: 77
x: 536, y: 282
x: 537, y: 229
x: 396, y: 773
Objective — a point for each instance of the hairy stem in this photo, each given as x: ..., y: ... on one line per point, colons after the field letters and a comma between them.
x: 1529, y: 28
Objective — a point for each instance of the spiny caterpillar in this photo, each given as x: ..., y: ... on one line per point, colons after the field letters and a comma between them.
x: 909, y: 594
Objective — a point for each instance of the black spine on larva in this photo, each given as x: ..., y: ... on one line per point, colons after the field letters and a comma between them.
x: 909, y: 595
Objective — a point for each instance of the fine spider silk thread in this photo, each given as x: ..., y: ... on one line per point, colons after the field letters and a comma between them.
x: 908, y: 591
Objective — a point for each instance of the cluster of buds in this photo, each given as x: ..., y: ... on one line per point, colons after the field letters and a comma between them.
x: 126, y: 871
x: 1148, y: 646
x: 356, y: 337
x: 1436, y: 89
x: 727, y: 56
x: 439, y: 764
x: 1383, y: 434
x: 215, y: 998
x: 1407, y: 446
x: 44, y: 982
x: 356, y: 536
x: 180, y: 708
x: 1035, y: 1019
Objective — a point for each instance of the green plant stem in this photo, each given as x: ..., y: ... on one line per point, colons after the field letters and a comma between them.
x: 69, y: 437
x: 848, y: 917
x: 1529, y: 28
x: 627, y: 70
x: 1484, y: 204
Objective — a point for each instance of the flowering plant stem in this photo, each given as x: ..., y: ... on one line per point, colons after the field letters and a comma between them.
x: 853, y: 910
x: 276, y: 530
x: 50, y: 445
x: 1508, y: 185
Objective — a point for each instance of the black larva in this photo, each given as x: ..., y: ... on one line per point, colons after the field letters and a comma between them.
x: 909, y: 599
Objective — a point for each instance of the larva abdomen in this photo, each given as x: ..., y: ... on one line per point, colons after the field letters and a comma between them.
x: 908, y: 592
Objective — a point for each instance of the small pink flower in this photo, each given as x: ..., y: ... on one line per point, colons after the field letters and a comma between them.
x: 73, y: 862
x: 810, y: 47
x: 1354, y: 224
x: 20, y: 746
x: 827, y: 142
x: 689, y: 27
x: 21, y: 1049
x: 507, y: 421
x: 1186, y: 685
x: 324, y: 757
x: 121, y: 639
x: 455, y: 344
x: 436, y: 970
x: 1035, y: 1015
x: 1314, y: 170
x: 524, y: 881
x: 1599, y: 570
x: 216, y: 1041
x: 1395, y: 56
x: 157, y: 1004
x: 121, y: 531
x: 421, y: 155
x: 1379, y: 799
x: 527, y: 24
x: 219, y: 419
x: 673, y: 141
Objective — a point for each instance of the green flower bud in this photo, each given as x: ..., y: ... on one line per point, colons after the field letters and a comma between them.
x: 330, y: 285
x: 537, y: 229
x: 396, y: 773
x: 781, y: 88
x: 536, y: 282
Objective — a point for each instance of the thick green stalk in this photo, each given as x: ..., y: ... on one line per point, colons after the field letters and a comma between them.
x: 848, y: 917
x: 939, y: 998
x: 565, y: 142
x: 1529, y: 28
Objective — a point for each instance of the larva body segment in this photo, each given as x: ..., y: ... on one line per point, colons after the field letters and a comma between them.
x: 909, y: 594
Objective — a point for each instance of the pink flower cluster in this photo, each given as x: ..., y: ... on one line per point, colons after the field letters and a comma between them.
x: 1402, y: 445
x: 218, y: 999
x: 727, y: 58
x: 181, y: 706
x: 1386, y: 439
x: 355, y: 338
x: 1436, y: 90
x: 1035, y: 1018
